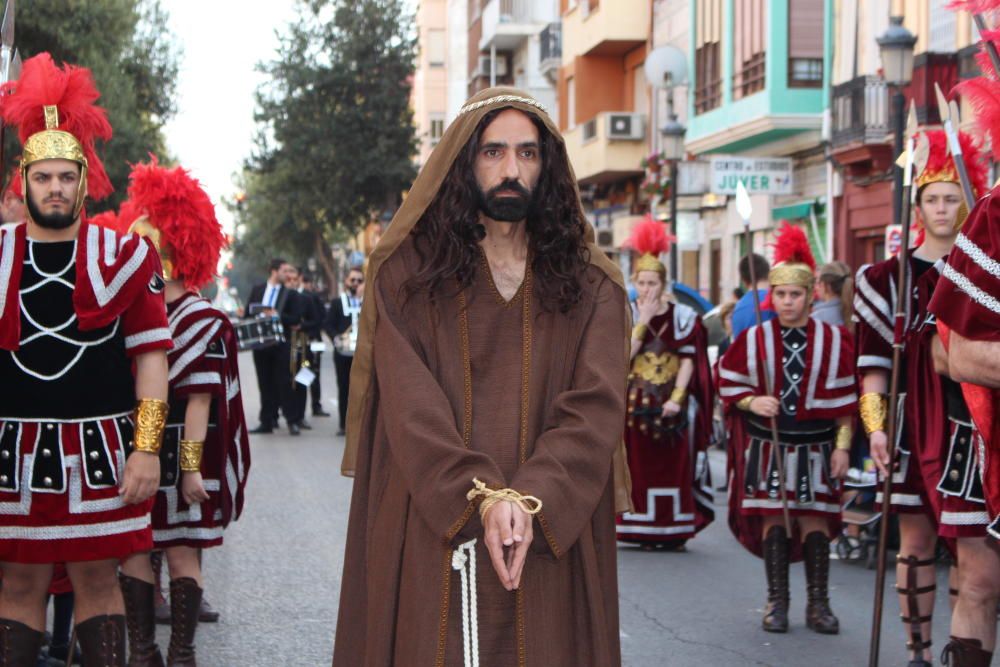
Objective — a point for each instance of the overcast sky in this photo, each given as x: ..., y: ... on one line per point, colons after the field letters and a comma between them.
x: 222, y: 41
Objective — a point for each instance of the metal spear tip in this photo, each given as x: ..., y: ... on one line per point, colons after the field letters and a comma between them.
x: 912, y: 126
x: 942, y: 103
x: 15, y: 67
x: 743, y: 205
x: 7, y: 28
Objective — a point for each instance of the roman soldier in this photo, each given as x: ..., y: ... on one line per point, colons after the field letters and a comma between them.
x: 669, y: 410
x: 935, y: 436
x: 80, y: 306
x: 205, y: 456
x: 809, y: 400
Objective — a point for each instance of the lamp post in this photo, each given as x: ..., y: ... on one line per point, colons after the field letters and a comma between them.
x: 896, y: 49
x: 673, y: 149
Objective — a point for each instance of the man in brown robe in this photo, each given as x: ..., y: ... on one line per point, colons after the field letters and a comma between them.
x: 492, y: 349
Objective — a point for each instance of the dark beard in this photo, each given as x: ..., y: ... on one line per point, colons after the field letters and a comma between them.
x: 506, y: 208
x: 50, y: 221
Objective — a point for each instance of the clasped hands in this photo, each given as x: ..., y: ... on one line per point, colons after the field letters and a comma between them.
x: 508, y: 534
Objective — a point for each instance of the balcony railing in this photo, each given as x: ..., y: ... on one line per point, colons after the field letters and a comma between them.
x: 515, y: 11
x: 551, y: 46
x: 860, y: 111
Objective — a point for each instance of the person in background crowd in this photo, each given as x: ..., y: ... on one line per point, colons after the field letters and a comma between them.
x: 835, y: 295
x: 743, y: 315
x: 814, y: 424
x: 318, y: 308
x: 341, y: 326
x: 726, y: 318
x: 668, y: 424
x: 275, y: 299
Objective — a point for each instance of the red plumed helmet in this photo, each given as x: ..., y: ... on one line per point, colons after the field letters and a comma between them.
x: 182, y: 220
x: 649, y: 237
x: 48, y: 100
x: 792, y: 247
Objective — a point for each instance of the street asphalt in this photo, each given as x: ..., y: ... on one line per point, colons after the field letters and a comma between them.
x: 276, y: 580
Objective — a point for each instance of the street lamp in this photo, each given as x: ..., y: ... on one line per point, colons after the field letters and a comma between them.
x: 896, y: 50
x: 673, y: 149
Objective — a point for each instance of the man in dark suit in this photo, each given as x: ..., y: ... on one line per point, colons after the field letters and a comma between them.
x: 273, y: 364
x: 313, y: 317
x: 341, y: 325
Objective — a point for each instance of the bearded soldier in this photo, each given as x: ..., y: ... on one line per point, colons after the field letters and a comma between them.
x: 79, y: 435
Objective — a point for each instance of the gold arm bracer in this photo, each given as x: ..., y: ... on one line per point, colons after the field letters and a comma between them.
x: 150, y: 419
x: 191, y: 451
x: 872, y: 407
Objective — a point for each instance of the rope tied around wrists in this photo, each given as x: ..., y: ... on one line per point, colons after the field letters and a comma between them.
x: 490, y: 497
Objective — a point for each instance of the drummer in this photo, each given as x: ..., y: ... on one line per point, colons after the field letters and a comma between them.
x: 341, y: 326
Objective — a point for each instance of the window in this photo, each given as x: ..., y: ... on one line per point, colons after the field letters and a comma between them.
x: 749, y: 47
x: 436, y: 128
x: 805, y: 44
x: 435, y: 48
x: 708, y: 66
x: 942, y: 27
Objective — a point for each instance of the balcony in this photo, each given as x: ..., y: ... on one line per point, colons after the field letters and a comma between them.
x: 610, y: 29
x: 607, y: 147
x: 860, y: 112
x: 550, y: 53
x: 508, y: 23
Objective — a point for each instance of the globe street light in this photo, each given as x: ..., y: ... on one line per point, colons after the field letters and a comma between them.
x: 896, y: 49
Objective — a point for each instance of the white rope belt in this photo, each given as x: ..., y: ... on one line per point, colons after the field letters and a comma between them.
x: 463, y: 559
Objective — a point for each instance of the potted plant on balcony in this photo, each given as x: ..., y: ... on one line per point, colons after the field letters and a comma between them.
x: 656, y: 185
x: 654, y: 162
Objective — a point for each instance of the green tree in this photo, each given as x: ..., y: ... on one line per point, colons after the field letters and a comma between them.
x: 336, y: 140
x: 132, y: 54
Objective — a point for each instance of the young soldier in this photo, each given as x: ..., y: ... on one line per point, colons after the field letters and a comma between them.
x: 669, y: 410
x: 205, y: 456
x: 811, y: 364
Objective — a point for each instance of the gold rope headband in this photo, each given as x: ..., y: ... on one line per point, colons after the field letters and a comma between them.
x: 502, y: 99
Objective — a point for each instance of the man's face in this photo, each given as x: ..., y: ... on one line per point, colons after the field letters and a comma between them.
x: 353, y: 281
x: 287, y: 275
x: 52, y: 190
x: 939, y: 206
x: 507, y: 166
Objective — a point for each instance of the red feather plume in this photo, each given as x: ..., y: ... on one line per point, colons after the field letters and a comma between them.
x: 974, y: 6
x: 984, y: 96
x: 107, y: 219
x: 183, y: 213
x: 649, y: 237
x: 71, y: 89
x: 939, y: 159
x: 791, y: 245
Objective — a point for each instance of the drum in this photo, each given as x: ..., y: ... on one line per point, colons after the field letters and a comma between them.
x: 257, y: 333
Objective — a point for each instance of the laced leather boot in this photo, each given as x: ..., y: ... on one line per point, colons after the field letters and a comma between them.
x: 776, y: 566
x: 139, y: 604
x: 102, y: 640
x: 960, y: 652
x: 185, y: 602
x: 819, y: 616
x: 19, y: 644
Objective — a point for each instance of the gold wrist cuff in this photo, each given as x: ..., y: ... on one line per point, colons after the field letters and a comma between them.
x: 150, y: 418
x: 872, y: 407
x: 639, y: 331
x: 191, y: 451
x: 744, y: 403
x: 843, y: 440
x: 679, y: 395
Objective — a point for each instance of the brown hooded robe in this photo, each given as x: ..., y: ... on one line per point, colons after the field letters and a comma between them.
x: 474, y: 386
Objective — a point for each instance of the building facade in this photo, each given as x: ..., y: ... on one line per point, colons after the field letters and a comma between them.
x: 429, y: 95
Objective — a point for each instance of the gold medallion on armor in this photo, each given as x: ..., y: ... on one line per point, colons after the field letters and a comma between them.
x: 657, y: 369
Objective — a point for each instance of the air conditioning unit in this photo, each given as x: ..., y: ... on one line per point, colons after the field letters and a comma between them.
x: 627, y: 126
x: 484, y: 66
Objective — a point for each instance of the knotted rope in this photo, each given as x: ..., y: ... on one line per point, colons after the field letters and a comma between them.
x: 490, y: 497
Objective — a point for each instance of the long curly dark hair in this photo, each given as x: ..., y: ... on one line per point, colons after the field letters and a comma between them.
x: 447, y: 236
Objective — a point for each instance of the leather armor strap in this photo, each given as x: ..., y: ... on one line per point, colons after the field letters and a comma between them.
x: 912, y: 592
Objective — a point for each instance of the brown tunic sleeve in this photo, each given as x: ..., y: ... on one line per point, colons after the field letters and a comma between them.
x: 569, y: 467
x: 424, y: 440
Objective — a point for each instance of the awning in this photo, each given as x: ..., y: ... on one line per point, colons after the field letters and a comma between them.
x: 798, y: 210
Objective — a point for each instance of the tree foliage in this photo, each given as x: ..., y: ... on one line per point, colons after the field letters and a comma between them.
x: 336, y: 139
x: 132, y: 54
